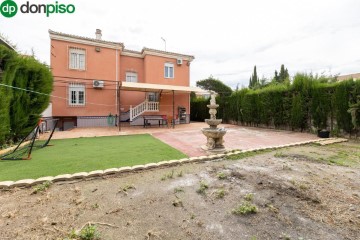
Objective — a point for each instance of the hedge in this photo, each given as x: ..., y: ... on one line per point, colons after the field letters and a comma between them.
x: 309, y: 102
x: 199, y: 110
x: 20, y: 110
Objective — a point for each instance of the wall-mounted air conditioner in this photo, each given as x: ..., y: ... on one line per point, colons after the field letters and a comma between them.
x: 98, y: 84
x: 179, y: 61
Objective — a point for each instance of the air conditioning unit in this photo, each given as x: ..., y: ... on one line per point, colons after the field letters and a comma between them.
x: 179, y: 61
x: 98, y: 84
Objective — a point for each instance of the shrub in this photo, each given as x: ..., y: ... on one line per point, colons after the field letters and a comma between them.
x: 19, y: 109
x: 308, y: 101
x: 298, y: 120
x: 41, y: 187
x: 89, y: 232
x: 341, y: 104
x: 203, y: 187
x: 245, y: 208
x: 199, y: 111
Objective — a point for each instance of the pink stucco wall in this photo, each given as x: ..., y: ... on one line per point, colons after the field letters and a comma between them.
x: 104, y: 65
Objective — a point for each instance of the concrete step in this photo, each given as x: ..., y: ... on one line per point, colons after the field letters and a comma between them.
x: 331, y: 141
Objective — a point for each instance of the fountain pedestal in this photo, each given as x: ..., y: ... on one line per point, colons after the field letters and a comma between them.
x: 214, y: 135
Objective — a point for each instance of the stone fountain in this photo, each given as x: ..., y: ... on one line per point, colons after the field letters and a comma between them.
x: 213, y: 134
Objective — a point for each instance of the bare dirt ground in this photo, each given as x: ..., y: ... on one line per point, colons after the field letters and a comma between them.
x: 300, y: 193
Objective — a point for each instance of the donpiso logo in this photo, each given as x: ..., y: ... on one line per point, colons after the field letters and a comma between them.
x: 9, y: 8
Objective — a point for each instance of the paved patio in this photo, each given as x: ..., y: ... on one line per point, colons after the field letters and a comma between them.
x: 188, y: 137
x: 237, y: 137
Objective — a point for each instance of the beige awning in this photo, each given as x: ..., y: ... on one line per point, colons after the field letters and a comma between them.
x: 149, y: 87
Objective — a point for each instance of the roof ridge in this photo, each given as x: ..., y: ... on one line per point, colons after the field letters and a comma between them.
x: 191, y: 57
x: 132, y: 51
x: 84, y: 38
x: 165, y: 52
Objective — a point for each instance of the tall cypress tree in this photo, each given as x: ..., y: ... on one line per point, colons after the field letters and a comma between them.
x: 276, y: 77
x: 20, y: 109
x: 254, y: 79
x: 284, y: 74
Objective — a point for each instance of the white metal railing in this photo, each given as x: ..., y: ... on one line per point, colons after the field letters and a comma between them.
x: 143, y: 107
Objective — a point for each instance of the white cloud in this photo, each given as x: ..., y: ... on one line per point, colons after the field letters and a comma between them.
x: 227, y: 37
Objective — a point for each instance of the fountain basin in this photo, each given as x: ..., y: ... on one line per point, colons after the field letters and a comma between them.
x: 215, y: 142
x: 213, y: 122
x: 213, y: 106
x: 213, y: 133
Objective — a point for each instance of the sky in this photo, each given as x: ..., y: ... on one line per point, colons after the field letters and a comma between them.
x: 228, y: 38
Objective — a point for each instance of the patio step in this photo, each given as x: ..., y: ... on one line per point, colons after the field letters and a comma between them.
x: 332, y: 141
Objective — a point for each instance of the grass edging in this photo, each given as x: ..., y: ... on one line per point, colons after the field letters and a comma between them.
x: 234, y: 154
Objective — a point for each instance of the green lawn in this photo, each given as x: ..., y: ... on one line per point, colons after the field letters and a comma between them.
x: 87, y: 154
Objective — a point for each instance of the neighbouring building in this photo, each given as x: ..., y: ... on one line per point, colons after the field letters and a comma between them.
x: 94, y: 78
x: 6, y: 44
x: 348, y: 76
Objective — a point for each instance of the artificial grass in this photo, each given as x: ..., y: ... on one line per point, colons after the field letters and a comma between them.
x: 88, y: 154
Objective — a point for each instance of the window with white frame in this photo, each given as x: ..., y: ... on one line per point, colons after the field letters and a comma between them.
x: 152, y: 96
x: 76, y: 94
x: 77, y: 58
x: 169, y: 70
x: 131, y: 77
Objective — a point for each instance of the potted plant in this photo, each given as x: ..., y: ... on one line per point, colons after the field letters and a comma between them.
x: 323, y: 133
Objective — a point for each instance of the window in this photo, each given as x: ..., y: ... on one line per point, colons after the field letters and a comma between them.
x: 169, y: 70
x: 131, y: 77
x: 76, y: 94
x: 152, y: 96
x: 77, y: 58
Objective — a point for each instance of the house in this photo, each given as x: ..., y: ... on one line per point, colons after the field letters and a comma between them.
x: 95, y: 79
x: 349, y: 76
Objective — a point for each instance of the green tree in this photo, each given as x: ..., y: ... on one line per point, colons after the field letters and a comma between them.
x: 20, y: 105
x: 254, y: 79
x: 192, y: 96
x: 27, y: 106
x: 8, y: 66
x: 282, y: 76
x: 276, y: 77
x: 263, y: 81
x: 216, y: 85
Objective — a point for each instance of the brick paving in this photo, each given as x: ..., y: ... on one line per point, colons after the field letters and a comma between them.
x: 188, y: 137
x: 237, y: 137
